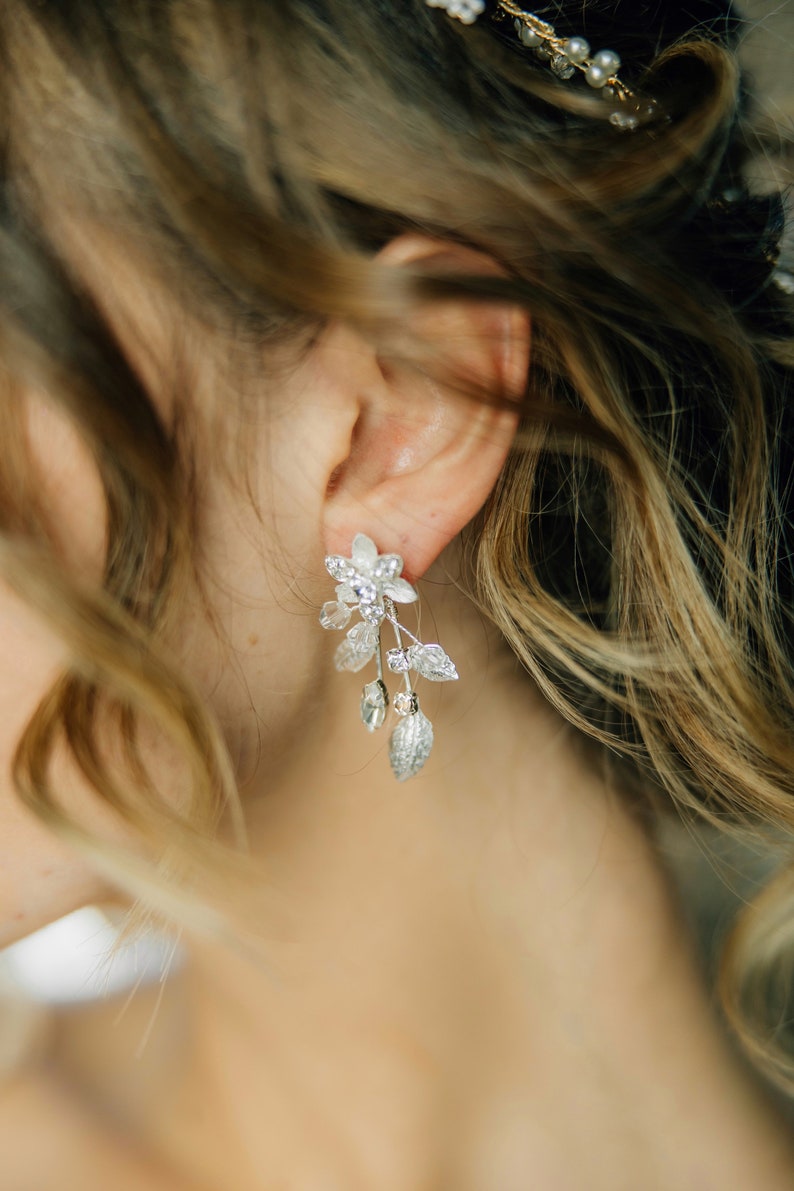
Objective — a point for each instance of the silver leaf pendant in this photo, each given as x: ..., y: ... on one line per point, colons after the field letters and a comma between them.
x: 374, y: 701
x: 433, y: 663
x: 410, y: 745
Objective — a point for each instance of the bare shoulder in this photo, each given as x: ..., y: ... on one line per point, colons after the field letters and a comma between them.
x: 51, y: 1142
x: 51, y: 1136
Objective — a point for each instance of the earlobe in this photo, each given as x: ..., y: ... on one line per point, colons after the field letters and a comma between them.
x: 422, y: 459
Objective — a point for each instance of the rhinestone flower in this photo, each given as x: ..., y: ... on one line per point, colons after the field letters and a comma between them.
x: 364, y: 580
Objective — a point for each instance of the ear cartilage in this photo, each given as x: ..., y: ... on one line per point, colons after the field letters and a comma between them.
x: 370, y: 583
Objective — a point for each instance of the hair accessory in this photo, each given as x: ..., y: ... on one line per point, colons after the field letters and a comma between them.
x: 566, y: 57
x: 370, y: 584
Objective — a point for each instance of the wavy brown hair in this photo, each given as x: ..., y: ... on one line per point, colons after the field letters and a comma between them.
x: 251, y: 157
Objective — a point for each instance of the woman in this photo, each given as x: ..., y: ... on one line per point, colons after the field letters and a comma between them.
x: 303, y: 303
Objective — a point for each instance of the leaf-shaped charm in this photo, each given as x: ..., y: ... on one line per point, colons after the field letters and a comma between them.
x: 357, y: 648
x: 400, y: 591
x: 432, y: 662
x: 410, y: 745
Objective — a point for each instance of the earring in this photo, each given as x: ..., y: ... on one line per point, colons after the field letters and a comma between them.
x: 369, y: 583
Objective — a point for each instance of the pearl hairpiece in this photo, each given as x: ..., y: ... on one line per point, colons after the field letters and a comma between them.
x: 565, y: 56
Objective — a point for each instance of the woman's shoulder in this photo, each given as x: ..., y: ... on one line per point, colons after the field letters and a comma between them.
x: 53, y: 1132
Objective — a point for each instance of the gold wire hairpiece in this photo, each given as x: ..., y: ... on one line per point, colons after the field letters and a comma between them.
x: 566, y: 57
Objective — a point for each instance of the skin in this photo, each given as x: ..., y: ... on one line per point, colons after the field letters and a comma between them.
x: 476, y: 979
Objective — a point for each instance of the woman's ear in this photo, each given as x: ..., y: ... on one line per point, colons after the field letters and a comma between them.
x: 420, y: 460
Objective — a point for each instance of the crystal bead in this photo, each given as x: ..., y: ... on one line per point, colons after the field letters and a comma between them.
x: 563, y: 67
x: 576, y: 49
x: 544, y: 53
x: 406, y: 703
x: 334, y: 615
x: 398, y: 661
x: 374, y: 701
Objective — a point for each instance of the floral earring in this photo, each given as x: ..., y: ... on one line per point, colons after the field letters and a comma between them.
x: 369, y: 583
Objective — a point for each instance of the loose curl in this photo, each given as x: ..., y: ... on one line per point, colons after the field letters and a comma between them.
x: 637, y: 551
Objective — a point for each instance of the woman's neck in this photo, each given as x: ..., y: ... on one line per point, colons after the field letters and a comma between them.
x: 479, y: 965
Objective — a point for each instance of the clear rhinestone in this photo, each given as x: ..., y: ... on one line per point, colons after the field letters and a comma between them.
x: 398, y: 660
x: 388, y: 566
x: 406, y: 703
x: 372, y: 613
x: 338, y: 568
x: 334, y: 615
x: 374, y: 701
x: 364, y: 588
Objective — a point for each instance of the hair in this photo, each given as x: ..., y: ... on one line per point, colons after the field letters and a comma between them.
x: 636, y: 553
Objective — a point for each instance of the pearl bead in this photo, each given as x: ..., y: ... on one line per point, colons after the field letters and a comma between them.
x: 596, y: 75
x: 529, y: 36
x: 608, y: 60
x: 576, y: 49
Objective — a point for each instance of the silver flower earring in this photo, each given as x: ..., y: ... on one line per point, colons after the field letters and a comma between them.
x: 369, y: 583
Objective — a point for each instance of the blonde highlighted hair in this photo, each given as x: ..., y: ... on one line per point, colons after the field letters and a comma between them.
x: 637, y: 551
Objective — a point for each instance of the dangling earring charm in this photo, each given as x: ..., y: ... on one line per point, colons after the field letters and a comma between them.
x: 370, y: 584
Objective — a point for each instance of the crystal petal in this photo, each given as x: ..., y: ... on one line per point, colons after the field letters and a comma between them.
x: 410, y: 745
x: 400, y: 591
x: 432, y: 662
x: 365, y: 553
